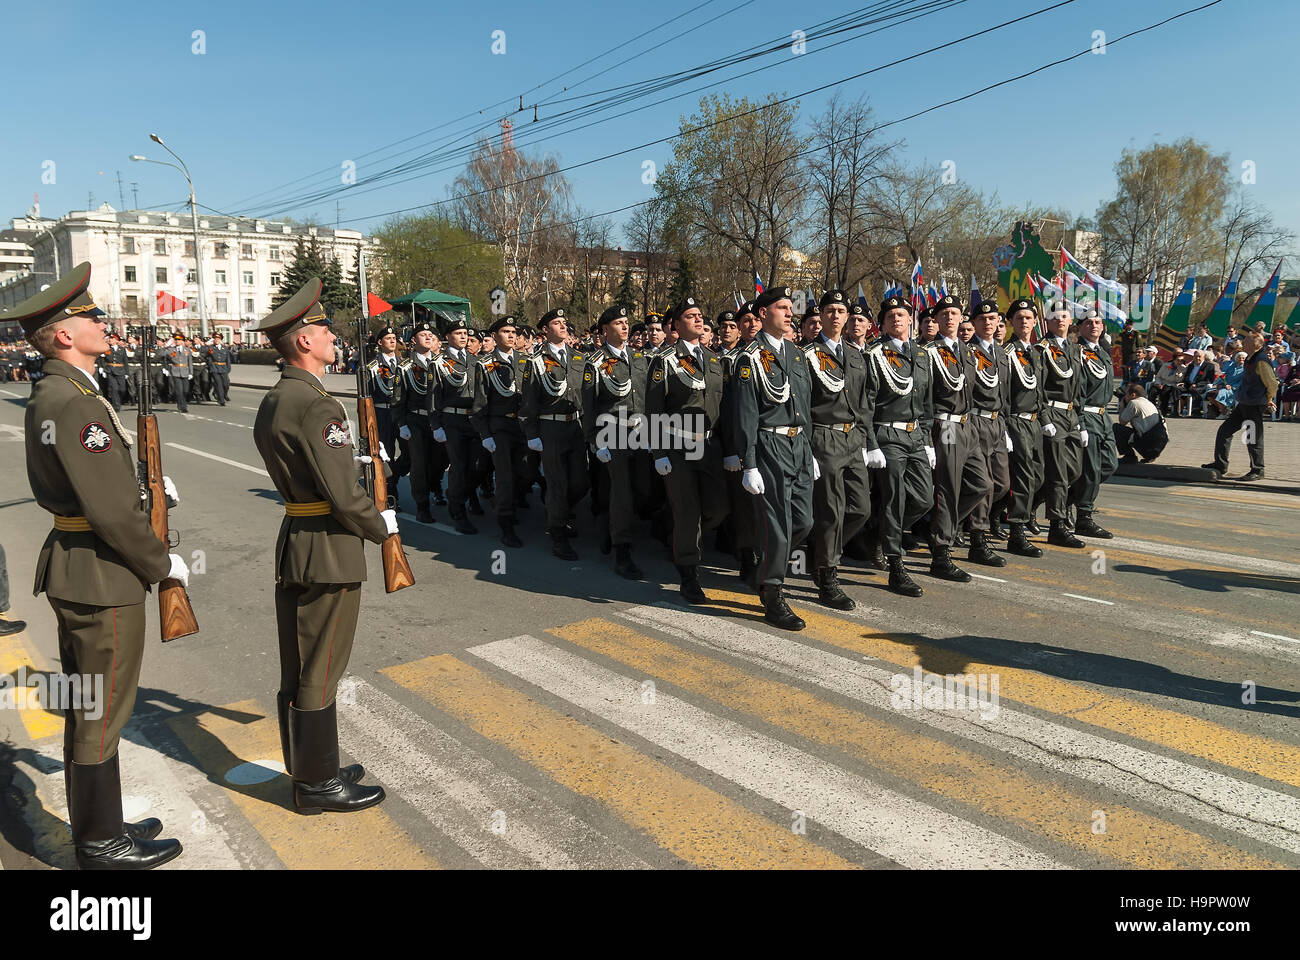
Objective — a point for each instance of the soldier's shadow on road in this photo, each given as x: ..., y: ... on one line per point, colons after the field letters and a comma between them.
x: 25, y: 824
x: 1214, y: 581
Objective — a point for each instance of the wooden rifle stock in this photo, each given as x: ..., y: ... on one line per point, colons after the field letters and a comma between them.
x: 175, y: 614
x: 397, y: 572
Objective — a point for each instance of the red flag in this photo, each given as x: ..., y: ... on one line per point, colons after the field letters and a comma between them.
x: 168, y: 304
x: 377, y: 305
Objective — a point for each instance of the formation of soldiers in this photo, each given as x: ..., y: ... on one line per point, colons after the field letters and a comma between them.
x: 19, y: 361
x: 183, y: 369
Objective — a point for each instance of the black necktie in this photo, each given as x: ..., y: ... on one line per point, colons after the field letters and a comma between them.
x: 839, y: 353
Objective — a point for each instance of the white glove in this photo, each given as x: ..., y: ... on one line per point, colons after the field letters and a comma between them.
x: 731, y: 463
x: 752, y: 481
x: 364, y: 459
x: 169, y: 489
x: 929, y: 452
x: 383, y: 454
x: 874, y: 458
x: 404, y: 432
x: 489, y: 445
x: 180, y: 569
x: 1010, y: 446
x: 390, y: 520
x: 535, y: 444
x: 817, y: 470
x: 603, y: 455
x: 1083, y: 435
x: 663, y: 466
x: 634, y: 421
x: 1049, y: 430
x: 440, y: 435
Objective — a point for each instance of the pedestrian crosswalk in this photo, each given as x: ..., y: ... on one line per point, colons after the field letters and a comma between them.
x: 659, y: 735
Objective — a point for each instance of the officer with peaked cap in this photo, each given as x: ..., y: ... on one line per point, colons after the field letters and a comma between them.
x: 95, y: 565
x: 304, y: 438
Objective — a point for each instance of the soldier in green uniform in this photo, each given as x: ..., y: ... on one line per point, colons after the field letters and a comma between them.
x: 741, y: 518
x: 1096, y: 388
x: 218, y: 362
x: 901, y: 417
x: 613, y: 412
x: 988, y: 372
x: 303, y: 436
x: 684, y: 403
x: 550, y: 408
x: 453, y: 395
x: 385, y: 372
x: 95, y: 566
x: 413, y: 418
x: 202, y: 383
x: 1063, y: 447
x: 178, y: 367
x: 772, y: 415
x: 1024, y: 425
x: 115, y: 372
x: 495, y: 415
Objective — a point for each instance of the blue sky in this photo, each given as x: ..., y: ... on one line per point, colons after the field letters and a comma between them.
x: 285, y: 90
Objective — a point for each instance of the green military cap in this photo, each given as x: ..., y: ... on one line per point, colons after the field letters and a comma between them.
x: 64, y: 298
x: 298, y: 311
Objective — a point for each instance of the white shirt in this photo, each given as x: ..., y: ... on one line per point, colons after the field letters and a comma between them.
x: 987, y: 345
x: 424, y: 358
x: 618, y: 352
x: 773, y: 341
x: 1142, y: 413
x: 388, y: 361
x: 557, y: 350
x: 91, y: 377
x: 896, y: 344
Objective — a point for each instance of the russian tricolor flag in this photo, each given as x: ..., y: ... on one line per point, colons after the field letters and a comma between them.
x: 758, y: 284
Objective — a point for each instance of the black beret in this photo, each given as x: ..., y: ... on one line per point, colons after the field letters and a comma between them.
x: 745, y: 308
x: 832, y: 297
x: 1021, y: 304
x: 811, y: 312
x: 858, y: 310
x: 676, y: 312
x: 726, y: 316
x: 653, y: 317
x: 771, y: 295
x: 610, y: 315
x: 454, y: 322
x: 425, y: 325
x: 895, y: 303
x: 637, y: 328
x: 474, y: 334
x: 385, y: 331
x: 506, y: 321
x: 944, y: 302
x: 549, y: 315
x: 984, y: 309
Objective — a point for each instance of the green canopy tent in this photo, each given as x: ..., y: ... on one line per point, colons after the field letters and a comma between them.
x: 435, y: 305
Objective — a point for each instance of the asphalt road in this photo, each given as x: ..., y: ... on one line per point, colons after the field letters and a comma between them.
x: 552, y: 714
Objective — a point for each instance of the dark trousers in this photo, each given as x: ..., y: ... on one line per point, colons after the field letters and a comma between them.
x: 221, y: 386
x: 564, y: 465
x: 315, y: 623
x: 1252, y: 415
x: 399, y: 461
x: 1097, y: 463
x: 202, y: 385
x: 991, y: 448
x: 613, y: 498
x: 1062, y: 464
x: 115, y: 390
x: 908, y: 485
x: 841, y: 496
x: 180, y: 392
x: 698, y: 500
x: 1148, y: 445
x: 510, y: 461
x: 785, y: 508
x: 463, y: 449
x: 741, y: 520
x: 421, y: 447
x: 1027, y: 467
x: 961, y: 479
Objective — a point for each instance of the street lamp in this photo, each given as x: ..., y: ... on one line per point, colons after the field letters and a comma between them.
x: 546, y: 281
x: 194, y: 219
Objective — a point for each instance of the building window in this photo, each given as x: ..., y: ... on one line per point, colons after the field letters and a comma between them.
x: 130, y: 274
x: 248, y: 278
x: 160, y: 274
x: 222, y: 251
x: 128, y: 244
x: 189, y: 248
x: 132, y: 305
x: 219, y: 276
x: 160, y: 246
x: 221, y: 305
x: 248, y: 306
x: 246, y: 251
x: 275, y: 279
x: 275, y: 254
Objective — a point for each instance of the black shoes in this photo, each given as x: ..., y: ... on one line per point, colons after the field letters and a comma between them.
x: 692, y: 592
x: 460, y: 522
x: 1033, y: 527
x: 981, y: 553
x: 829, y: 591
x: 1085, y: 526
x: 624, y: 565
x: 1060, y: 536
x: 9, y: 627
x: 103, y: 841
x: 899, y: 579
x: 560, y: 546
x: 941, y: 566
x: 1019, y: 544
x: 318, y: 783
x: 777, y: 612
x: 996, y: 530
x: 1218, y: 470
x: 509, y: 537
x: 1253, y: 475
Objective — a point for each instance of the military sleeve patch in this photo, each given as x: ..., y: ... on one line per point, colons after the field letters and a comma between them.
x: 658, y: 374
x: 744, y: 372
x: 587, y: 376
x: 96, y: 438
x: 335, y: 433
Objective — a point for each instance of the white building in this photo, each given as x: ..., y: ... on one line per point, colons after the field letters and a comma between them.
x: 135, y: 254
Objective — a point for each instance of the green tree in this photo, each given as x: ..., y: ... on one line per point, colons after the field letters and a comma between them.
x: 578, y: 305
x: 308, y: 262
x: 625, y: 295
x: 683, y: 284
x: 430, y: 251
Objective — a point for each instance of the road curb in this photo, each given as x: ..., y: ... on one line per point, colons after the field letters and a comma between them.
x: 1172, y: 473
x: 350, y: 394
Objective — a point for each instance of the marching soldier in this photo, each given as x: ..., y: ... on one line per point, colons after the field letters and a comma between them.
x: 550, y: 407
x: 1024, y: 425
x: 683, y: 401
x: 218, y: 359
x: 115, y: 372
x: 95, y: 566
x: 988, y: 371
x: 613, y: 405
x: 961, y: 477
x: 1063, y: 449
x: 178, y: 367
x: 741, y: 517
x: 842, y: 445
x: 772, y: 415
x: 302, y: 434
x: 901, y: 417
x: 385, y: 372
x: 1099, y: 460
x: 413, y: 419
x: 453, y: 396
x: 202, y: 383
x: 495, y: 415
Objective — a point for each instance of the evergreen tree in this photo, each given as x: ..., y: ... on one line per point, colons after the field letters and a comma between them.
x: 625, y: 296
x: 683, y: 284
x: 307, y: 263
x: 578, y: 306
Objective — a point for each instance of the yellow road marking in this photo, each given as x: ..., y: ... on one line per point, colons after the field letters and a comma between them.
x: 368, y: 840
x: 992, y: 786
x: 696, y: 823
x: 14, y: 654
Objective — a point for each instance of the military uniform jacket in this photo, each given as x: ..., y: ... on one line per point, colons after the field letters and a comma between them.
x: 1096, y: 378
x: 177, y: 361
x: 728, y: 359
x: 1025, y: 384
x: 217, y: 357
x: 550, y: 387
x: 677, y: 385
x: 303, y: 436
x: 610, y: 385
x: 989, y: 374
x: 115, y: 362
x: 839, y: 391
x: 1061, y: 379
x: 79, y: 464
x: 496, y: 389
x: 949, y: 383
x: 385, y: 383
x: 772, y: 389
x: 417, y: 388
x: 900, y: 384
x: 453, y: 385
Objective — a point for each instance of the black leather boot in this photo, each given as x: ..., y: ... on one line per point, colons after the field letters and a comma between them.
x: 900, y: 581
x: 1060, y: 535
x: 1019, y: 543
x: 692, y: 592
x: 996, y: 530
x: 1085, y: 526
x: 352, y: 773
x: 829, y: 591
x: 460, y: 521
x: 508, y: 535
x: 777, y: 612
x: 624, y: 565
x: 560, y: 546
x: 317, y: 784
x: 95, y: 813
x: 1033, y: 528
x: 941, y: 565
x: 980, y: 551
x: 876, y: 558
